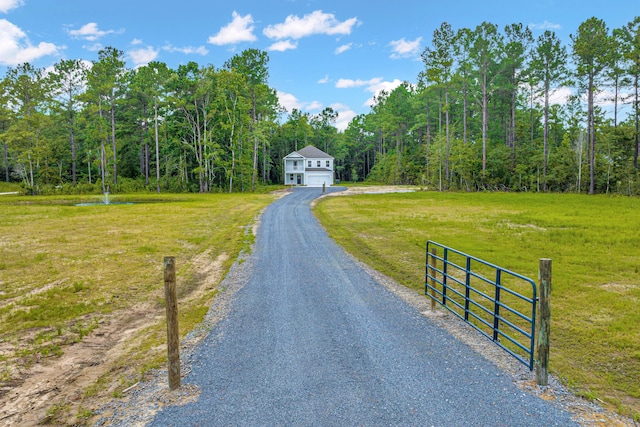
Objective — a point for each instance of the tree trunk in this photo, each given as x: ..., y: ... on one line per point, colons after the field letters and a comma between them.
x: 31, y: 181
x: 155, y: 124
x: 233, y: 169
x: 103, y: 154
x: 545, y: 153
x: 464, y: 111
x: 637, y: 120
x: 6, y: 162
x: 512, y: 136
x: 198, y: 141
x: 447, y: 173
x: 73, y: 148
x: 591, y: 139
x: 103, y: 165
x: 531, y: 114
x: 146, y: 163
x: 264, y: 162
x: 484, y: 120
x: 254, y: 175
x: 113, y: 142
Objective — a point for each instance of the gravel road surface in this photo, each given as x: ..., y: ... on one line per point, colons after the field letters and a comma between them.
x: 312, y: 339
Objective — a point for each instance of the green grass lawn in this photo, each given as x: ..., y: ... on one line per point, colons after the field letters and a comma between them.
x: 64, y: 269
x: 594, y: 242
x: 9, y: 187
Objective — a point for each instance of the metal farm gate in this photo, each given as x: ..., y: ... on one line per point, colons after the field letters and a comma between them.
x: 499, y: 303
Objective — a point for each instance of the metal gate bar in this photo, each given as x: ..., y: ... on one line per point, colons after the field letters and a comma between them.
x: 457, y: 288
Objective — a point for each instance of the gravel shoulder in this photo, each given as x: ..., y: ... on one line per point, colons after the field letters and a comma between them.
x: 326, y: 340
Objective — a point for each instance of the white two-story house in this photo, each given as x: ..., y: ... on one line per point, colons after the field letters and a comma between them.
x: 310, y: 166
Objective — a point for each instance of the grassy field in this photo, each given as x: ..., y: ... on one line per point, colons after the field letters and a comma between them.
x: 6, y: 187
x: 65, y: 270
x: 594, y: 242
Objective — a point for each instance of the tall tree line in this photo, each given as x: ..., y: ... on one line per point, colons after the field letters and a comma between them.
x: 100, y: 126
x: 483, y: 114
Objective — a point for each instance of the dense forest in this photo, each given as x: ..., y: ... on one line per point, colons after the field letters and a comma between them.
x: 480, y: 116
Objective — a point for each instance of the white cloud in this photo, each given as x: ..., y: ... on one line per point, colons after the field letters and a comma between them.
x: 313, y: 106
x: 343, y: 48
x: 546, y: 25
x: 606, y: 98
x: 348, y: 83
x: 374, y: 85
x: 15, y: 47
x: 345, y: 115
x: 282, y: 46
x: 95, y: 47
x: 288, y: 101
x: 240, y: 29
x: 560, y: 96
x: 324, y: 80
x: 135, y: 42
x: 143, y: 56
x: 7, y: 5
x: 316, y: 22
x: 187, y: 50
x: 405, y: 48
x: 91, y: 32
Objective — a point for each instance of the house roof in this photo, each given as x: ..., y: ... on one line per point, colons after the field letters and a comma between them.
x: 311, y: 152
x: 318, y: 170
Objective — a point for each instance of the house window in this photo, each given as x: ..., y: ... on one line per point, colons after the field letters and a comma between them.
x: 290, y: 177
x: 309, y: 163
x: 295, y: 165
x: 328, y: 163
x: 318, y: 163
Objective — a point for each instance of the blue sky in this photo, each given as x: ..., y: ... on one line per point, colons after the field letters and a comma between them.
x: 322, y: 53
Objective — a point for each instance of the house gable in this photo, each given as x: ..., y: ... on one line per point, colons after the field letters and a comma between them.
x: 308, y: 166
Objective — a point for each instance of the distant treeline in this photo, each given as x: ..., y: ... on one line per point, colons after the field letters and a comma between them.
x: 478, y: 117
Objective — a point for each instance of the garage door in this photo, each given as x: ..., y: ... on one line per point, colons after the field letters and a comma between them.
x: 317, y: 180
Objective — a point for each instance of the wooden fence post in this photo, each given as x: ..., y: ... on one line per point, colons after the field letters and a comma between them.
x: 173, y: 337
x: 544, y: 322
x: 432, y: 264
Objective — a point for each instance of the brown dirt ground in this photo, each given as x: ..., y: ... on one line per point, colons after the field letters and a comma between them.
x: 62, y: 381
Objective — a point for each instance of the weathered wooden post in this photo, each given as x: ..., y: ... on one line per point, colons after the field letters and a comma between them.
x: 173, y: 337
x: 544, y: 323
x: 324, y: 190
x: 432, y: 264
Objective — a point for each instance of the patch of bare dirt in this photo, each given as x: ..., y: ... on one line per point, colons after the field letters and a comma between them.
x: 62, y: 381
x: 145, y: 400
x: 32, y: 292
x: 373, y: 189
x: 376, y: 189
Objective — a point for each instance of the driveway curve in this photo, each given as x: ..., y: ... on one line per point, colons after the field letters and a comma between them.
x: 311, y: 339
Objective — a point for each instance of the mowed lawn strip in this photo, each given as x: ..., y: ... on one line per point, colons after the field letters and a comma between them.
x: 65, y: 268
x: 594, y: 242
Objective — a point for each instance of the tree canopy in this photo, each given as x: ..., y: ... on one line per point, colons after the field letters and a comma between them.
x: 482, y: 115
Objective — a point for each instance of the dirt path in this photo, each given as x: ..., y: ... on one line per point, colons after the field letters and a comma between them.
x: 54, y: 387
x: 63, y: 379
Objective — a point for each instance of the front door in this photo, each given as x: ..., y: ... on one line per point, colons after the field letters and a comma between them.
x: 299, y: 179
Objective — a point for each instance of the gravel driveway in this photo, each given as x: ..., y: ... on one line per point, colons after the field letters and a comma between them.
x: 312, y: 339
